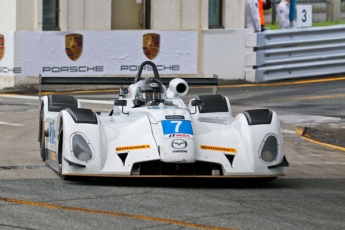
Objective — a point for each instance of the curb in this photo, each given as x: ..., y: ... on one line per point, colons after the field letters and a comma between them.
x: 323, y: 138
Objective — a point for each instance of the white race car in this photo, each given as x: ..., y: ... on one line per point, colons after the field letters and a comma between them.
x: 151, y: 132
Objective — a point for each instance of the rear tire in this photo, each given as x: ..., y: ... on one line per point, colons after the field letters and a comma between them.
x: 42, y: 136
x: 60, y: 154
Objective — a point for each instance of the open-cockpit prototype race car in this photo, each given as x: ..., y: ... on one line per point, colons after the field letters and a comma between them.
x: 151, y: 132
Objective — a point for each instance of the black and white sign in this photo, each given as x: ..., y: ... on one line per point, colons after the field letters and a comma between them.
x: 304, y: 15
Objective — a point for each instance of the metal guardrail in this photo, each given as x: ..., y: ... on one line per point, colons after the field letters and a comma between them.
x: 298, y: 53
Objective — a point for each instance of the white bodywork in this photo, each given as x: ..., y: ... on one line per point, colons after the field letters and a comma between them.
x: 169, y: 134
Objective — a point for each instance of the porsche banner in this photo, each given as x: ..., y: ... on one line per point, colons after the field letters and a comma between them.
x: 98, y: 53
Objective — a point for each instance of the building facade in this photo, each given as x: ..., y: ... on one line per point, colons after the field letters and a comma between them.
x: 66, y: 15
x: 223, y: 44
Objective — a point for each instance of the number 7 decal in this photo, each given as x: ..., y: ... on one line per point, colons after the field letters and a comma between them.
x: 177, y: 127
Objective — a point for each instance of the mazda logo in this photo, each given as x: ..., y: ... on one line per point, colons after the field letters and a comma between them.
x: 179, y: 144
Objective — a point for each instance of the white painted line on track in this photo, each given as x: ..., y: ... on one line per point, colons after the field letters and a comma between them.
x: 36, y: 98
x: 316, y: 163
x: 12, y: 124
x: 19, y: 96
x: 288, y: 131
x: 97, y: 101
x: 98, y: 109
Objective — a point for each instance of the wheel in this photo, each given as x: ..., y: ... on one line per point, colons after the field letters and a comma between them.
x: 42, y: 135
x: 60, y: 157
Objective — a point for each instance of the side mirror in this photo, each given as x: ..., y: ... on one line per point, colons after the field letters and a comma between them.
x: 199, y: 102
x: 196, y: 103
x: 123, y: 92
x: 121, y: 103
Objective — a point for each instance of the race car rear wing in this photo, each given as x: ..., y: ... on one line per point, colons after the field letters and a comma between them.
x: 120, y: 81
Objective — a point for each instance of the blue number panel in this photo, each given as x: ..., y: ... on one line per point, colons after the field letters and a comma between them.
x: 177, y: 128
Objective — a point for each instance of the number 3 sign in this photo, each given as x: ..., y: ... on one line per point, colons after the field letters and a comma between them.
x: 304, y: 15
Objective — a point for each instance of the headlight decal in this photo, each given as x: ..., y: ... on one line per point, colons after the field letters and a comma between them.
x: 80, y: 148
x: 269, y: 151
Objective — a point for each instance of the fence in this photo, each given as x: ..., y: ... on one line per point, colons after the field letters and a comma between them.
x: 322, y: 10
x: 297, y: 53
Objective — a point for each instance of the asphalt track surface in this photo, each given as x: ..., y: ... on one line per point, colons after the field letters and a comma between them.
x: 314, y: 201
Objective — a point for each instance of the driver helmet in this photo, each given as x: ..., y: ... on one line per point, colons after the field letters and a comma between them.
x: 150, y: 90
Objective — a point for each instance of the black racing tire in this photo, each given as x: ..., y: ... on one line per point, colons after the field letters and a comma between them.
x: 42, y: 135
x: 267, y: 179
x: 60, y: 156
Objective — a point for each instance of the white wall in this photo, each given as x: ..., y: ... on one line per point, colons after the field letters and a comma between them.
x: 190, y: 14
x: 224, y: 53
x: 97, y: 15
x: 179, y: 14
x: 85, y: 15
x: 20, y: 15
x: 38, y: 16
x: 193, y: 14
x: 233, y: 17
x: 126, y: 15
x: 71, y: 15
x: 26, y: 10
x: 8, y: 16
x: 165, y: 14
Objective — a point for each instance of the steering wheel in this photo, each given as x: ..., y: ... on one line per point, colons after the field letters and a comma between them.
x: 154, y: 68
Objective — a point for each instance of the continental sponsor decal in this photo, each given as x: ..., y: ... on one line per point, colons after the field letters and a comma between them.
x: 2, y: 46
x: 151, y: 45
x: 218, y: 148
x: 53, y: 156
x: 74, y: 45
x: 131, y: 148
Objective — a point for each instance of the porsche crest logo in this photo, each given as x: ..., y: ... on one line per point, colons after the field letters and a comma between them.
x: 151, y: 45
x: 2, y: 46
x: 74, y: 45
